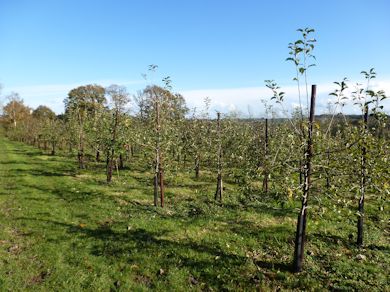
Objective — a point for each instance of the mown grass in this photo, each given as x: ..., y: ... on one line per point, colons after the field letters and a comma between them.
x: 66, y: 230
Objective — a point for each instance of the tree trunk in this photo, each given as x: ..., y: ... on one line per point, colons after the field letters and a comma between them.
x: 301, y: 224
x: 97, y: 157
x: 80, y: 154
x: 80, y: 158
x: 121, y: 163
x: 161, y: 176
x: 155, y: 184
x: 53, y: 148
x: 110, y: 166
x: 327, y: 169
x: 197, y: 166
x: 219, y: 191
x: 132, y: 150
x: 159, y: 173
x: 129, y: 155
x: 113, y: 141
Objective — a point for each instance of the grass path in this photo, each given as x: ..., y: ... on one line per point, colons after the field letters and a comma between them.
x: 45, y: 208
x: 65, y: 230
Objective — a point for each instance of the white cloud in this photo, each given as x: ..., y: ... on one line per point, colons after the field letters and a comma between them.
x: 245, y: 100
x: 242, y: 99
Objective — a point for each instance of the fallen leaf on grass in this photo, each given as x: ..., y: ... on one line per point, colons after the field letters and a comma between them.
x: 15, y: 249
x: 117, y: 284
x: 193, y: 280
x: 38, y: 278
x: 361, y: 257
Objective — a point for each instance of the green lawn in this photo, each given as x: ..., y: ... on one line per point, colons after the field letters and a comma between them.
x: 66, y: 230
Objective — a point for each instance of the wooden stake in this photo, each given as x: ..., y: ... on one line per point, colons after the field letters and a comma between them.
x: 363, y: 178
x: 266, y: 174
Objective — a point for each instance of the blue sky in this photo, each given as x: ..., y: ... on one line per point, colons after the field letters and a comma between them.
x: 221, y: 49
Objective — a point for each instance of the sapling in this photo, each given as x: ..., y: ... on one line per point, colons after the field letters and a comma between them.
x: 365, y: 98
x: 301, y: 54
x: 266, y: 163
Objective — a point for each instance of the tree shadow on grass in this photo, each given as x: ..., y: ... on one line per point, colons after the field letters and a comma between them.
x: 25, y: 152
x: 19, y: 172
x: 268, y: 265
x: 264, y: 209
x: 65, y: 192
x: 330, y: 239
x: 247, y: 228
x: 379, y: 247
x: 336, y: 240
x: 35, y: 199
x: 151, y: 249
x: 19, y: 162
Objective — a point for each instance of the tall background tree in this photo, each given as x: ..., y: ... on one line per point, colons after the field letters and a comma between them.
x: 119, y: 98
x: 81, y: 106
